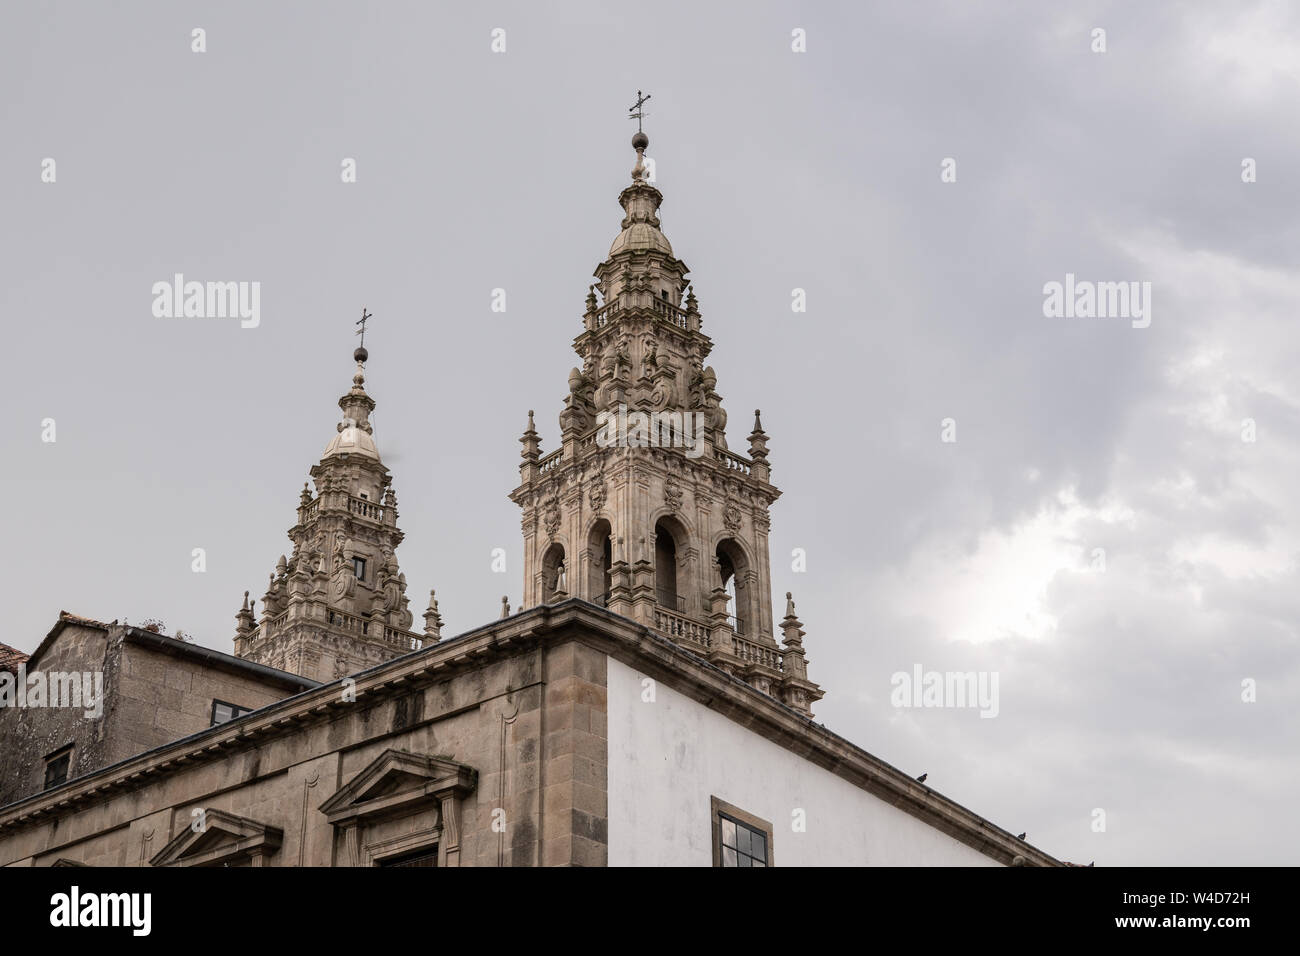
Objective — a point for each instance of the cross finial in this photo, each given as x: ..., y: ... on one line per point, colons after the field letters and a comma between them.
x: 365, y: 317
x: 635, y: 110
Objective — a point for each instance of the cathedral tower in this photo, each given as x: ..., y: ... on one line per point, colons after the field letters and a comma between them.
x: 644, y: 509
x: 338, y: 605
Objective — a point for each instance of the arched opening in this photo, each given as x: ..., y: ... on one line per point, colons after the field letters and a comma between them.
x: 600, y: 556
x: 666, y: 566
x: 731, y: 568
x: 554, y: 573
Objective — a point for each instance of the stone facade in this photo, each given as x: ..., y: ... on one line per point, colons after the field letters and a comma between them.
x: 491, y: 749
x: 156, y: 689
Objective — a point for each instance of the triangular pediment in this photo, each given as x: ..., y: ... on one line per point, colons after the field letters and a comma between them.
x: 395, y: 781
x: 223, y: 838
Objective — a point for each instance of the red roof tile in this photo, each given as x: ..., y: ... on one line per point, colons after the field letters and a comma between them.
x: 10, y: 658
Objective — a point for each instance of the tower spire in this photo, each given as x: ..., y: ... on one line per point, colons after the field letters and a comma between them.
x: 339, y: 605
x: 642, y: 508
x: 355, y: 428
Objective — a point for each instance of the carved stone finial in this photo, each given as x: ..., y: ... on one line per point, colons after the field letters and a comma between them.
x: 505, y: 606
x: 432, y: 619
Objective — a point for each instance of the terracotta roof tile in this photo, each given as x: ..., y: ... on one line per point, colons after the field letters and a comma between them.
x: 10, y: 658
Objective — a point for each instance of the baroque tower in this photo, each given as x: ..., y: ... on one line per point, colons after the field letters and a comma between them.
x: 338, y: 605
x: 644, y: 509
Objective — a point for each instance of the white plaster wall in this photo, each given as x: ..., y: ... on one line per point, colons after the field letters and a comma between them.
x: 668, y: 757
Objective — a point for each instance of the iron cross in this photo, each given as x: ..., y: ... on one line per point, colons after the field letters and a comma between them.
x: 635, y: 109
x: 365, y: 316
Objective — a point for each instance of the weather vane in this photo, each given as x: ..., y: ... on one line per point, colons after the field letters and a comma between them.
x: 365, y: 316
x: 636, y: 110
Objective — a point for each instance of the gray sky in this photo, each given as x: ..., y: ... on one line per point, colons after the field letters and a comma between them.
x: 1119, y: 690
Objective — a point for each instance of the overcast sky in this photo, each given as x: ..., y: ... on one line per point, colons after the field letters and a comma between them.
x: 1119, y: 690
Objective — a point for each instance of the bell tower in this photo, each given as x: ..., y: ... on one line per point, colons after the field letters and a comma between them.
x: 338, y: 604
x: 644, y: 509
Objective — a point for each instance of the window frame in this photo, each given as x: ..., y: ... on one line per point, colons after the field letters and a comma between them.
x: 718, y: 809
x: 236, y: 711
x: 64, y: 752
x: 359, y: 568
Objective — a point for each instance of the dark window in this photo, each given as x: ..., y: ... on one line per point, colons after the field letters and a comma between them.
x: 359, y: 566
x: 57, y: 766
x: 222, y: 712
x: 424, y: 856
x: 739, y: 838
x: 742, y: 845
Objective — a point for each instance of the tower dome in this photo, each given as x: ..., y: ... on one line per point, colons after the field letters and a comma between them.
x: 641, y: 237
x: 352, y: 440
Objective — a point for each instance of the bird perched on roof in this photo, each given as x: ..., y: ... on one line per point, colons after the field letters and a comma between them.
x: 921, y: 779
x: 1020, y: 836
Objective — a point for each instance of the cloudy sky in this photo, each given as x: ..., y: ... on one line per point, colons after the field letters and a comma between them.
x: 1120, y: 689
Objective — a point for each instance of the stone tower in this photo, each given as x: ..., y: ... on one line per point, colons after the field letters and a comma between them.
x: 644, y: 509
x: 338, y: 605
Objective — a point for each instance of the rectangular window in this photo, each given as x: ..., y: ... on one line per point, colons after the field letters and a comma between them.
x: 57, y: 767
x: 739, y: 838
x: 222, y: 712
x: 359, y: 566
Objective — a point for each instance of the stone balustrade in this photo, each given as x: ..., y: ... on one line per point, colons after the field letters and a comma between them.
x: 732, y: 462
x: 752, y: 653
x: 680, y: 628
x: 365, y: 508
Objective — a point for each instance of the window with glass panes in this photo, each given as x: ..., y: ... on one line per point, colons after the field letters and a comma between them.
x: 742, y: 845
x: 223, y: 711
x: 57, y: 766
x: 739, y: 838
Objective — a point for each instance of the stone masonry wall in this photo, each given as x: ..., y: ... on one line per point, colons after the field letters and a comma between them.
x: 29, y: 735
x: 532, y: 724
